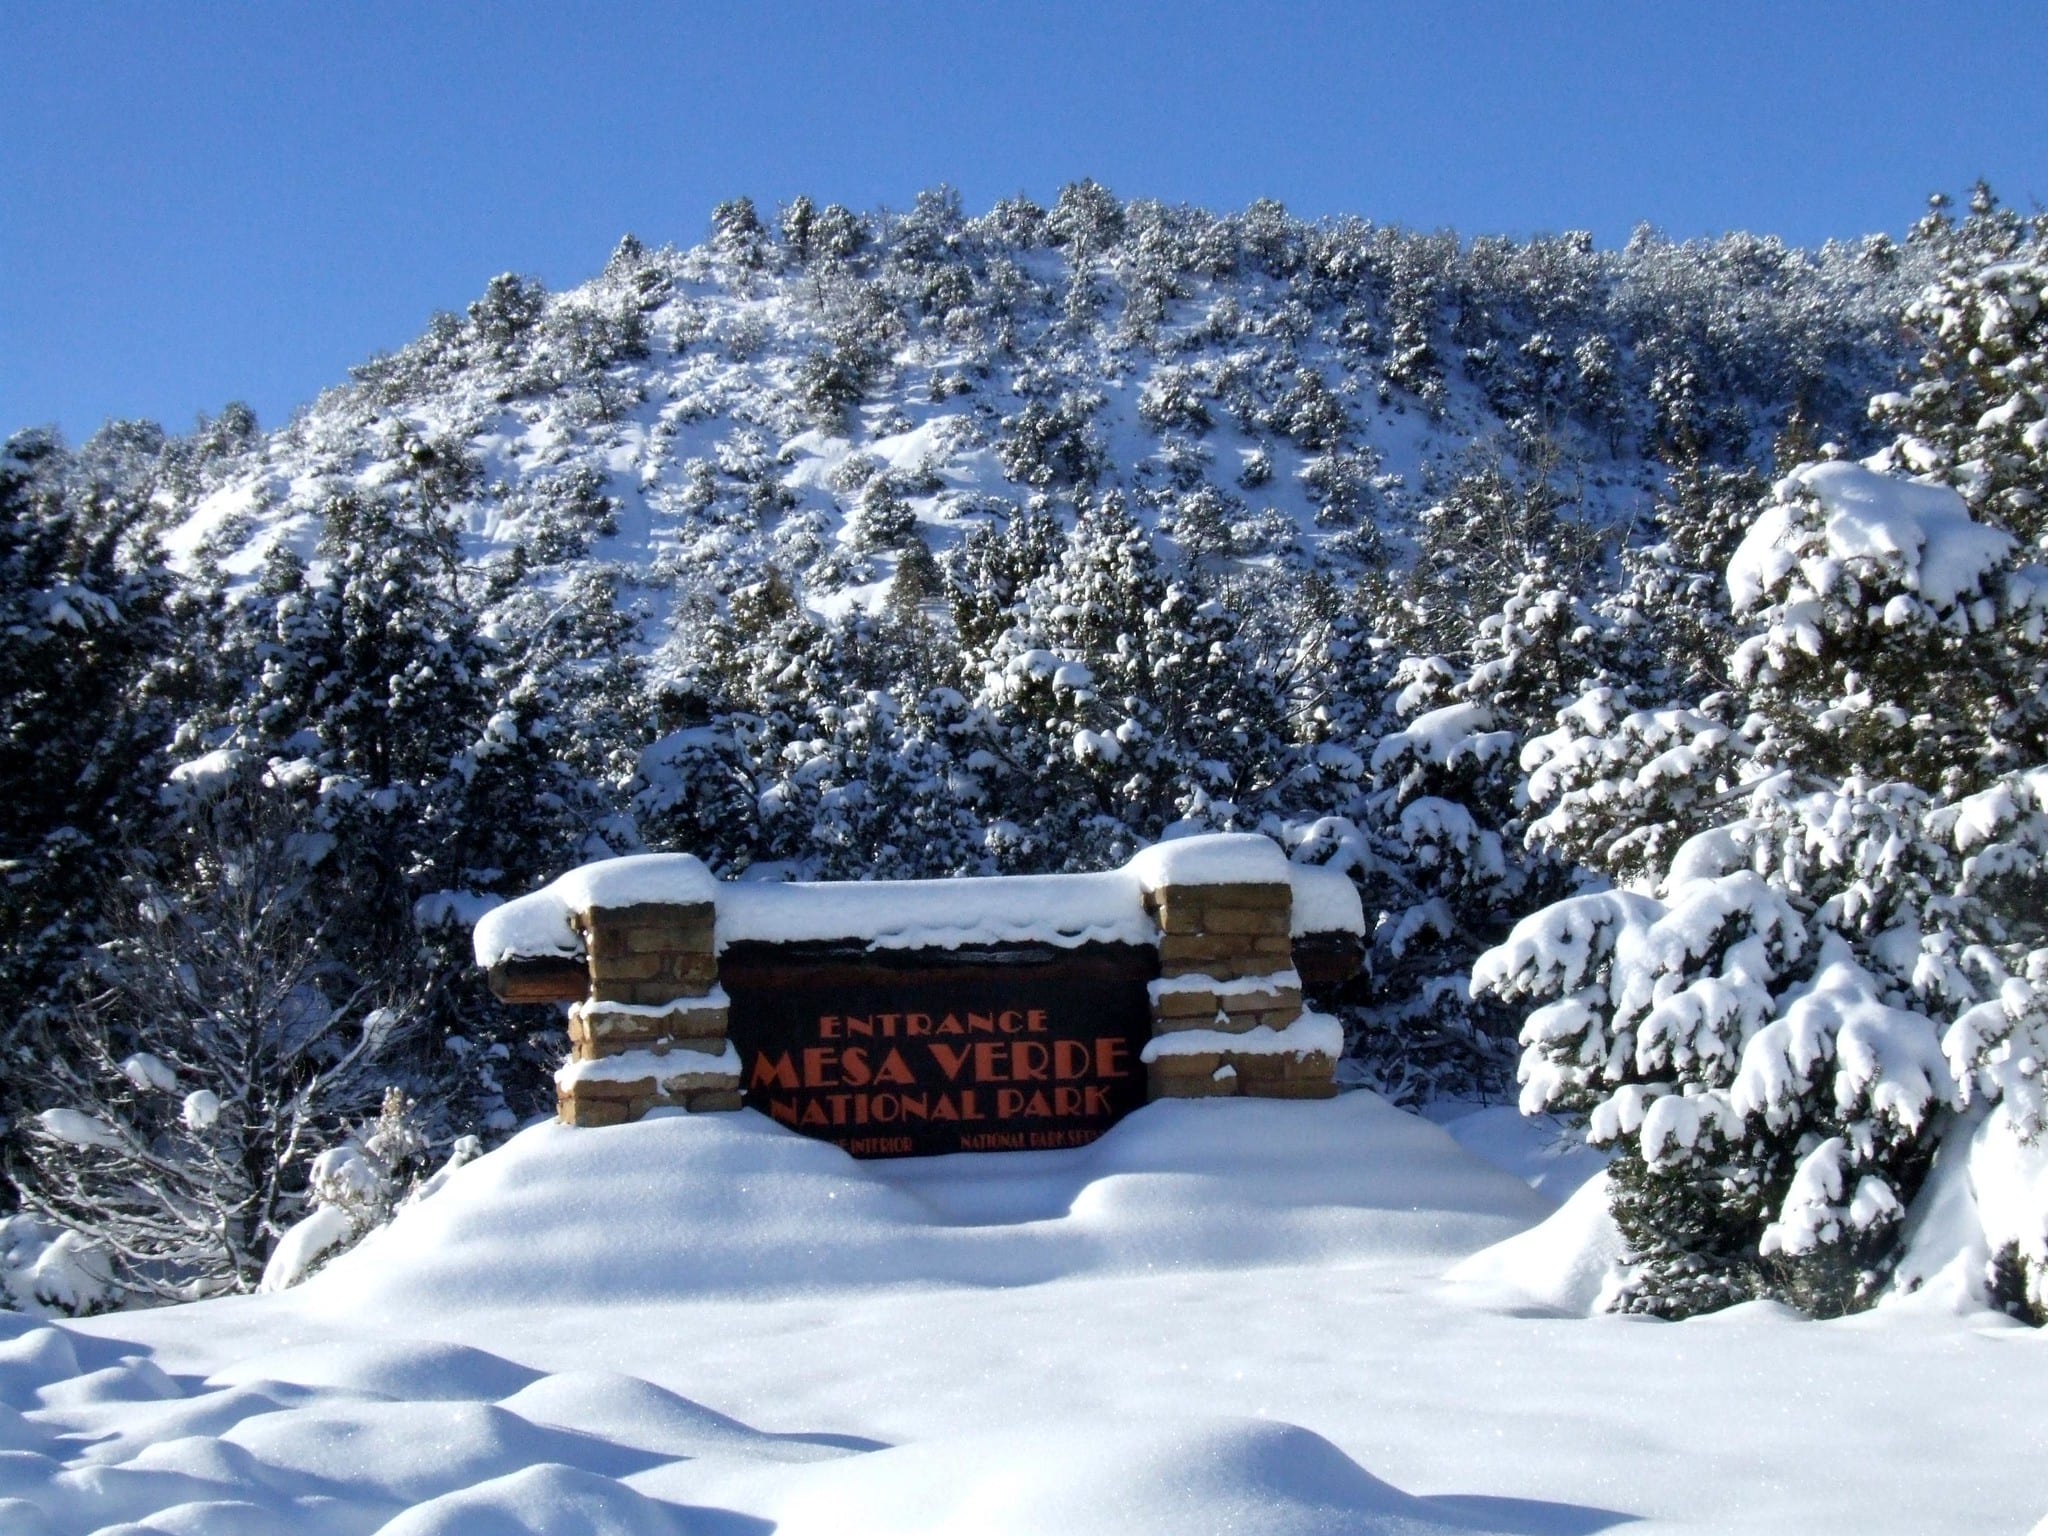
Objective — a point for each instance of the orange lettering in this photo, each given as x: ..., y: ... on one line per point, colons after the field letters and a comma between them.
x: 774, y: 1072
x: 894, y: 1069
x: 1029, y: 1061
x: 951, y: 1059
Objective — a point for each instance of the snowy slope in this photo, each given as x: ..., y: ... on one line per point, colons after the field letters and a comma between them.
x: 672, y: 389
x: 1222, y: 1317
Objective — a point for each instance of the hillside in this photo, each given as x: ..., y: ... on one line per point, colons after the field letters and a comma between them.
x: 1260, y: 390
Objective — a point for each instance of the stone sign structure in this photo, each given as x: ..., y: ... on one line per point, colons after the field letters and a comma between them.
x: 907, y: 1017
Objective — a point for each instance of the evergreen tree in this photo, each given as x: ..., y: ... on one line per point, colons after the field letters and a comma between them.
x: 89, y: 694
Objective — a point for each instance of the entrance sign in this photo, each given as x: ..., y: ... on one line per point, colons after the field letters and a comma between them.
x: 1018, y: 1051
x: 899, y: 1018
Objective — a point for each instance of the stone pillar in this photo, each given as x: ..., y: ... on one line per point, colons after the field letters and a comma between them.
x: 652, y: 1032
x: 1227, y: 1018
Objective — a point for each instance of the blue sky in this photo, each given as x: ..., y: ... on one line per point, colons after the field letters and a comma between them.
x: 201, y: 203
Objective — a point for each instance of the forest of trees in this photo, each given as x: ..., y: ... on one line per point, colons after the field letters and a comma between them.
x: 1494, y: 572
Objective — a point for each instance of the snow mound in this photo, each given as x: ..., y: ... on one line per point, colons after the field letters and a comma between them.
x: 1563, y: 1266
x: 405, y: 1453
x: 1988, y: 1189
x: 1193, y: 1477
x: 546, y: 1500
x: 694, y: 1205
x: 628, y: 1411
x: 393, y: 1368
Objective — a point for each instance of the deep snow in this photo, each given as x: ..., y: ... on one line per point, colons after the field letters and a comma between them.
x: 1224, y: 1316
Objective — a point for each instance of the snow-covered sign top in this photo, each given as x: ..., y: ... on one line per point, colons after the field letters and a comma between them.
x: 1063, y: 910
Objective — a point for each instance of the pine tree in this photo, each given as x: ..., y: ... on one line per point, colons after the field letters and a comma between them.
x: 89, y: 693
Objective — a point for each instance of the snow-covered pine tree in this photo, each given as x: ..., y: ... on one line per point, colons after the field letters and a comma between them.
x: 1977, y: 414
x: 1758, y: 1024
x: 90, y: 690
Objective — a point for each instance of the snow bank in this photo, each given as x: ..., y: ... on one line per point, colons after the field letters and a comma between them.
x: 698, y: 1205
x: 707, y: 1324
x: 1183, y: 1474
x: 1063, y: 910
x: 1988, y: 1190
x: 1564, y: 1266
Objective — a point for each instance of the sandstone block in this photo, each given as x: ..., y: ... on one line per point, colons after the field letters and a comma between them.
x: 656, y: 991
x: 1260, y: 898
x: 712, y: 1100
x: 601, y: 1024
x: 624, y: 967
x: 697, y: 1082
x: 1285, y: 1068
x: 691, y: 936
x: 554, y: 980
x: 1185, y: 953
x: 1266, y: 1000
x: 1252, y: 920
x: 1324, y: 1088
x: 1185, y: 1005
x: 1174, y: 1085
x: 619, y: 1090
x: 1196, y: 1064
x: 575, y: 1108
x: 693, y: 974
x: 1272, y: 1018
x: 1229, y: 1023
x: 1181, y: 915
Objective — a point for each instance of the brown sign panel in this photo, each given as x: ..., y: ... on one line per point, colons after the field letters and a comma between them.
x: 907, y: 1055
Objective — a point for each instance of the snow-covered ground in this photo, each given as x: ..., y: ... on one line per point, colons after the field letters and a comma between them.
x: 1229, y: 1316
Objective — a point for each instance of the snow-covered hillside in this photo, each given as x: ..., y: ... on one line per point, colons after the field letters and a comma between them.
x: 1264, y: 391
x: 1221, y: 1317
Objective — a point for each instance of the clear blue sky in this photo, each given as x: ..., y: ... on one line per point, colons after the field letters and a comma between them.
x: 205, y: 202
